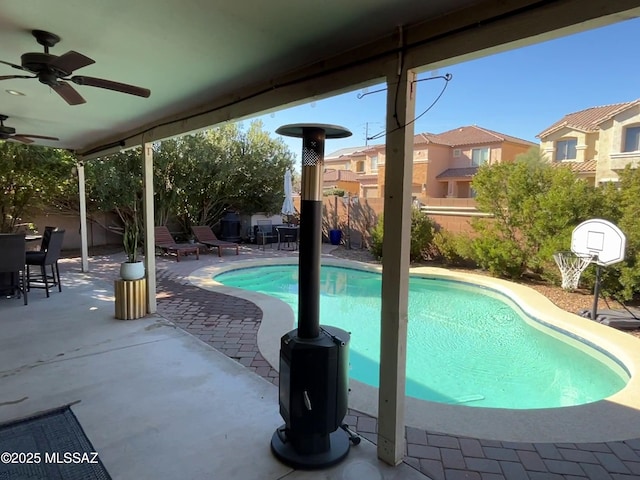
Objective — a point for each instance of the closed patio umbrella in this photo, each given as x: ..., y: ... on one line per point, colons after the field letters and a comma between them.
x: 287, y: 205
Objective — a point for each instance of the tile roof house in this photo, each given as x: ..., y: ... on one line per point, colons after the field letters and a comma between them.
x: 597, y: 142
x: 362, y: 162
x: 340, y: 179
x: 443, y: 163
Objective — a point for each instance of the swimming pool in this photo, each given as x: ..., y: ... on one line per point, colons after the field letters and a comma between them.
x: 466, y: 345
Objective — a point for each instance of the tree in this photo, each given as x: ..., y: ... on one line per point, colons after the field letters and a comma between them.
x: 197, y: 177
x: 628, y: 273
x: 114, y: 184
x: 533, y: 156
x: 32, y: 178
x: 205, y: 167
x: 257, y: 181
x: 535, y: 207
x: 169, y: 174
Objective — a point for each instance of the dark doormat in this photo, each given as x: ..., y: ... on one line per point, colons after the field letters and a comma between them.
x: 49, y: 446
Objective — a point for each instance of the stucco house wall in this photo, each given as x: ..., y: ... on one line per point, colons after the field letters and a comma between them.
x: 600, y: 133
x: 439, y: 157
x: 548, y: 145
x: 510, y: 151
x: 607, y: 146
x: 98, y: 224
x: 433, y: 154
x: 617, y: 158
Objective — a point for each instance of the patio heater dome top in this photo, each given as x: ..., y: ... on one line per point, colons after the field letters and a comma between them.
x: 297, y: 130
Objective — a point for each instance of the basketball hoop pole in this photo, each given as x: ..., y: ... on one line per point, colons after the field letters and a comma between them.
x: 596, y: 292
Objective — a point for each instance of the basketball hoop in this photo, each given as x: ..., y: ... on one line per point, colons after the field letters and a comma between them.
x: 571, y: 266
x: 600, y: 240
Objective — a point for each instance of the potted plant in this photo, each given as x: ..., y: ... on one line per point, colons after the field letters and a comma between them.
x: 132, y: 269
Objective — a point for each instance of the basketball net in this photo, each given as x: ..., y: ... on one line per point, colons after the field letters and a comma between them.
x: 571, y: 266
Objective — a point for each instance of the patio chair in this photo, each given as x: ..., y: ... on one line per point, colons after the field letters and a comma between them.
x: 44, y: 241
x: 165, y: 242
x: 46, y: 237
x: 264, y: 232
x: 205, y: 235
x: 49, y: 258
x: 12, y: 265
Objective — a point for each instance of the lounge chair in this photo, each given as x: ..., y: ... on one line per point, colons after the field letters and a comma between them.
x: 206, y: 236
x: 165, y: 242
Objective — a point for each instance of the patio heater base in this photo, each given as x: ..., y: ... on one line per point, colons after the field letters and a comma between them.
x: 284, y: 451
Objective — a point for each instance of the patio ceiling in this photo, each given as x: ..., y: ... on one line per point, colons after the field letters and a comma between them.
x: 209, y: 62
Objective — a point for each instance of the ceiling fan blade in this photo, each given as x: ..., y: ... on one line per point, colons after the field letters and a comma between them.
x: 8, y: 77
x: 19, y: 67
x: 43, y: 137
x: 68, y: 93
x: 20, y: 138
x: 71, y: 61
x: 110, y: 85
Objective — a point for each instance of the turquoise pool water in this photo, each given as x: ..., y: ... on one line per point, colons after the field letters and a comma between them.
x: 465, y: 344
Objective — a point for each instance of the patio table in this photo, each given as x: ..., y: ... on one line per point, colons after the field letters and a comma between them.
x: 8, y: 278
x: 288, y: 235
x: 31, y: 242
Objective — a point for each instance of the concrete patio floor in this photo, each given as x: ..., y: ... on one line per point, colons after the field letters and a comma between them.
x: 155, y: 401
x: 187, y: 393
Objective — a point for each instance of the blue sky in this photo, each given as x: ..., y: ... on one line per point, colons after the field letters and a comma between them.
x: 519, y: 93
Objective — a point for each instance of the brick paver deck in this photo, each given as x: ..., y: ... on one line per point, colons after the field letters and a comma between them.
x: 231, y: 325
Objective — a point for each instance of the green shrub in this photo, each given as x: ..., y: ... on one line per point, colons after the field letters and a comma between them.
x: 422, y: 232
x: 534, y: 208
x: 376, y: 238
x: 501, y: 256
x: 453, y: 249
x: 338, y: 192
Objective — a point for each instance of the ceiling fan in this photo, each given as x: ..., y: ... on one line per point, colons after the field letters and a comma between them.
x: 54, y: 71
x: 9, y: 133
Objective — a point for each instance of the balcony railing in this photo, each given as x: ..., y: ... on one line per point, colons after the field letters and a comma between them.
x: 620, y: 160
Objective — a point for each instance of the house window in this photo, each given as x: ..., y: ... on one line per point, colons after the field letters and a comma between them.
x: 374, y: 163
x: 347, y: 166
x: 632, y: 139
x: 566, y: 149
x: 479, y: 156
x: 360, y: 166
x: 457, y: 153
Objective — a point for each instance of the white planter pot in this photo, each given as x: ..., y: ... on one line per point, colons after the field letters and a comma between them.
x: 132, y: 271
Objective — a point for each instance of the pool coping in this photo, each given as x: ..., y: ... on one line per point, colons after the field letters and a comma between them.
x: 611, y: 419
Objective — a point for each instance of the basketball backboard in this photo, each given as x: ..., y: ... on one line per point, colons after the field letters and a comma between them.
x: 601, y: 239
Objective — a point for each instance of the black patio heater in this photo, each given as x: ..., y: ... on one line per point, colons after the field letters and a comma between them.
x: 314, y: 359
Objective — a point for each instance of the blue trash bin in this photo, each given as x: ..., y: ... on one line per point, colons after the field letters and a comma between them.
x: 335, y: 236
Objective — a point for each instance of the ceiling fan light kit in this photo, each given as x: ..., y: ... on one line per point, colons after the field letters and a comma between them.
x: 54, y: 71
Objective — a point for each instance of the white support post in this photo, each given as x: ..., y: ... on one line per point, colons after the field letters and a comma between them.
x: 84, y: 248
x: 395, y: 261
x: 149, y: 236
